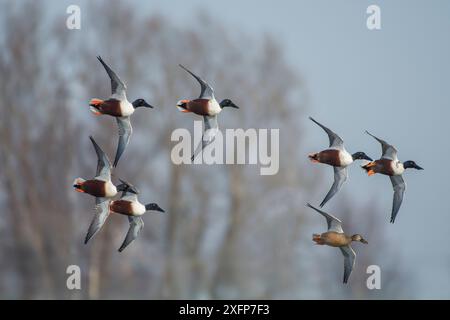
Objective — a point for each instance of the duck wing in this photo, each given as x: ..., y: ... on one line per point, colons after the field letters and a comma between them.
x: 335, y: 141
x: 207, y: 92
x: 103, y: 164
x: 101, y: 214
x: 349, y: 261
x: 209, y: 134
x: 136, y: 225
x: 125, y: 131
x: 399, y: 186
x: 388, y: 151
x: 340, y: 176
x: 334, y: 224
x: 118, y: 87
x: 129, y: 196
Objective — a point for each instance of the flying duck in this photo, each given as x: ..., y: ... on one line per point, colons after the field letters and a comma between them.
x: 207, y: 106
x: 335, y: 237
x: 118, y: 106
x: 129, y: 205
x: 390, y: 165
x: 101, y: 188
x: 337, y: 157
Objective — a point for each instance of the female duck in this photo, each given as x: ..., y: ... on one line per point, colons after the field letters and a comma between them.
x: 335, y: 237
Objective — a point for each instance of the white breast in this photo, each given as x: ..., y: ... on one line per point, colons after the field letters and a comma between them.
x: 126, y: 108
x: 345, y: 158
x: 110, y: 189
x: 137, y: 208
x: 213, y: 107
x: 397, y: 168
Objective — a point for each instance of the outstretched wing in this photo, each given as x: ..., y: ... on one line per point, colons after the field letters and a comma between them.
x: 389, y: 152
x: 334, y: 224
x: 118, y: 87
x: 101, y: 214
x: 207, y: 92
x: 335, y: 141
x: 103, y: 163
x: 340, y: 175
x: 399, y: 186
x: 125, y: 131
x: 136, y: 225
x: 349, y: 261
x: 209, y: 134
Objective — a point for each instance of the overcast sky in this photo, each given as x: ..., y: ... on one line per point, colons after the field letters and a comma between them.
x: 393, y: 82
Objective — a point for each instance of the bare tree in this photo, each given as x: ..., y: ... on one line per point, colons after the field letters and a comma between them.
x: 228, y: 232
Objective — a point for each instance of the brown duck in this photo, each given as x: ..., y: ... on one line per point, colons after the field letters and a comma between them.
x: 335, y: 237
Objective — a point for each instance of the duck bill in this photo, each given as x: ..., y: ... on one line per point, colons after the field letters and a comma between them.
x: 234, y: 106
x: 364, y: 241
x: 417, y: 167
x: 153, y: 207
x: 148, y: 105
x: 367, y: 158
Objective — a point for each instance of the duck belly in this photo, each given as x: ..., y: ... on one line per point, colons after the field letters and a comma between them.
x: 128, y: 208
x: 110, y: 189
x: 345, y: 158
x: 138, y: 209
x: 334, y: 239
x: 397, y: 168
x: 213, y: 107
x: 110, y: 107
x: 383, y: 166
x: 126, y: 108
x: 200, y: 107
x: 99, y: 188
x: 330, y: 157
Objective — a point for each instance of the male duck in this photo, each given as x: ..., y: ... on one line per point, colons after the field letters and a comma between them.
x: 207, y: 106
x: 119, y: 107
x: 335, y: 237
x: 129, y: 205
x: 390, y: 165
x: 101, y: 188
x: 338, y: 157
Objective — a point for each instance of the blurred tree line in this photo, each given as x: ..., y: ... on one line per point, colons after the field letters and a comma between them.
x: 228, y: 232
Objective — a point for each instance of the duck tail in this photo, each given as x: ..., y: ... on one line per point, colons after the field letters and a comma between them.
x: 95, y: 104
x: 314, y: 157
x: 77, y: 183
x: 317, y: 238
x: 369, y: 168
x: 182, y: 105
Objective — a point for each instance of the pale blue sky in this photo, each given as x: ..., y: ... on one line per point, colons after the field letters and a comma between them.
x: 393, y: 82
